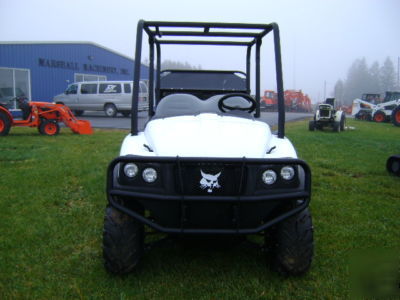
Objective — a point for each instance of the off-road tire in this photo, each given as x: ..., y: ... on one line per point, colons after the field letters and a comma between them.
x: 336, y: 126
x: 123, y: 242
x: 5, y: 124
x: 379, y: 117
x: 110, y: 110
x: 343, y: 122
x: 78, y: 113
x: 49, y: 127
x: 311, y: 125
x: 396, y: 116
x: 393, y: 165
x: 291, y: 245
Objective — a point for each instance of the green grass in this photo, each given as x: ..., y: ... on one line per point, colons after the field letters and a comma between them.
x: 52, y: 200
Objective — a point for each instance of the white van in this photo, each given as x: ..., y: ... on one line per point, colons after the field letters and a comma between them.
x: 109, y: 96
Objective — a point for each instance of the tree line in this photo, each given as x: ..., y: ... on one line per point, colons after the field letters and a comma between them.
x: 176, y: 65
x: 364, y: 79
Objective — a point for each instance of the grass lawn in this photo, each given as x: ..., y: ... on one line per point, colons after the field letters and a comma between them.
x: 52, y: 200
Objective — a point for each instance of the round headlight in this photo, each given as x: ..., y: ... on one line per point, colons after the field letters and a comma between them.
x: 287, y: 172
x: 269, y: 177
x: 149, y: 175
x: 131, y: 170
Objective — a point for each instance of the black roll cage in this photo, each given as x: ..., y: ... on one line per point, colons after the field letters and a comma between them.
x: 231, y: 34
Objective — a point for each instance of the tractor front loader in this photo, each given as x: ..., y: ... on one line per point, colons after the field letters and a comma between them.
x: 44, y: 116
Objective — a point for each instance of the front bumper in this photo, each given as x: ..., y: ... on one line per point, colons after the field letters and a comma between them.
x: 176, y: 202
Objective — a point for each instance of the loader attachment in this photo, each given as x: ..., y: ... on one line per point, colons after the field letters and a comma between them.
x: 77, y: 126
x: 81, y: 127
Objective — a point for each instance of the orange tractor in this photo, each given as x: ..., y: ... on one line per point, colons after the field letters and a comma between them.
x: 43, y: 115
x: 297, y: 101
x: 269, y: 101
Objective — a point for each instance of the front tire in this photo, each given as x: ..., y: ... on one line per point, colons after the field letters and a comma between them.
x: 292, y: 244
x: 393, y: 165
x: 123, y: 242
x: 343, y: 122
x: 110, y: 110
x: 336, y: 126
x: 396, y: 116
x: 379, y: 117
x: 49, y: 127
x: 311, y: 125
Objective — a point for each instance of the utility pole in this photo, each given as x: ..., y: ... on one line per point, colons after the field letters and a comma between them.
x: 324, y: 90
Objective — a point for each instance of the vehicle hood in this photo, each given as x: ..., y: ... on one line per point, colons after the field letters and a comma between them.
x: 59, y: 97
x: 208, y: 135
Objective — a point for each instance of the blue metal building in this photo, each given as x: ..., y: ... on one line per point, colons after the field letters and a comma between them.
x: 41, y: 70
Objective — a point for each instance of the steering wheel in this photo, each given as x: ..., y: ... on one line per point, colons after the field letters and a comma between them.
x: 223, y: 106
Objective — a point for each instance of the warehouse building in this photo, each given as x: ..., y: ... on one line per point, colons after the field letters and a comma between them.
x: 41, y: 70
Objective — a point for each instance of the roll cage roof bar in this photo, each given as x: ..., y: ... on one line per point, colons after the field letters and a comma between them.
x: 229, y: 34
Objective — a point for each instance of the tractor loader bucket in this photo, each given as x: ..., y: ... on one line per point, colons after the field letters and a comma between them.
x: 81, y: 127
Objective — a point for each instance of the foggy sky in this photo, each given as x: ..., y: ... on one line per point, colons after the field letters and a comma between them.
x: 319, y: 39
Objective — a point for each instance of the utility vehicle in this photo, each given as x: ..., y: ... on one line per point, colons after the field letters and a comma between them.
x: 204, y: 164
x: 327, y: 116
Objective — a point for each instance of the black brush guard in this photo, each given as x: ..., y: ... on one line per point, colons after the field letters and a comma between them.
x: 177, y: 206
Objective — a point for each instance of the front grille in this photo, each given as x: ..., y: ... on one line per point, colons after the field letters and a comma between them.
x: 204, y: 178
x: 324, y: 113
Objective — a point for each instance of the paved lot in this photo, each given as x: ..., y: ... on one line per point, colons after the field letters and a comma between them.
x: 99, y: 120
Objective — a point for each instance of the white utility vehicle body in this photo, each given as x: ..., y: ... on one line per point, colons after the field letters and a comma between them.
x: 207, y: 135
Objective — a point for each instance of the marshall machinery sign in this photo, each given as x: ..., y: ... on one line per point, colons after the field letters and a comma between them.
x: 61, y: 64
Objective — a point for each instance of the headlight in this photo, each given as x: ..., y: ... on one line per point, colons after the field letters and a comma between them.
x: 287, y: 172
x: 149, y: 175
x: 269, y: 177
x: 131, y: 170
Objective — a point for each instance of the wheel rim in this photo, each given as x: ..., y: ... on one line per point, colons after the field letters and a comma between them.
x: 379, y: 117
x: 2, y: 125
x: 397, y: 116
x: 50, y: 128
x: 110, y: 111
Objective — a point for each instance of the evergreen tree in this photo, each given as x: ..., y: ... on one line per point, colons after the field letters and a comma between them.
x: 339, y: 92
x: 363, y: 80
x: 375, y: 85
x: 357, y: 82
x: 171, y: 64
x: 387, y: 76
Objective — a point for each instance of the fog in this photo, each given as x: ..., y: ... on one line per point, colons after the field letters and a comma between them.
x: 319, y: 39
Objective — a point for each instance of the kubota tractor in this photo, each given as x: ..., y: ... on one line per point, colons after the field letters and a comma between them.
x: 43, y: 115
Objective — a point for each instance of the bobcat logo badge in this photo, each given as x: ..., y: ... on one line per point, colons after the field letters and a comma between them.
x: 209, y: 181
